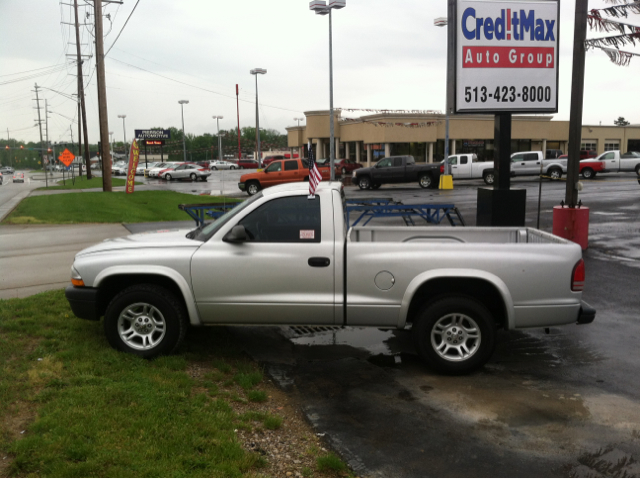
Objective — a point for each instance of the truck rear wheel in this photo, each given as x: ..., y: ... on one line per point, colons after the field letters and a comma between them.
x: 425, y: 181
x: 455, y: 334
x: 555, y: 173
x: 364, y: 182
x: 146, y: 320
x: 489, y: 177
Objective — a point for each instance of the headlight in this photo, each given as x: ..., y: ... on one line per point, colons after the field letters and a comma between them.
x: 76, y: 279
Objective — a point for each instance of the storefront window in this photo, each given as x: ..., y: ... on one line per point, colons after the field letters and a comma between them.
x: 482, y: 148
x: 611, y: 145
x: 419, y: 151
x: 590, y: 145
x: 633, y: 145
x: 377, y: 151
x: 520, y: 145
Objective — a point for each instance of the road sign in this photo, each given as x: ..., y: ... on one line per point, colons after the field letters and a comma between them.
x: 506, y: 56
x: 66, y: 157
x: 153, y: 134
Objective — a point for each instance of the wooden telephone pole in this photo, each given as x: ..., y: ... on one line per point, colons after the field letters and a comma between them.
x: 82, y: 114
x: 105, y: 153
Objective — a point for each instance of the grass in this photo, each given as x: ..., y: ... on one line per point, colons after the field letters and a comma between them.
x: 100, y: 207
x: 81, y: 182
x: 331, y: 464
x: 71, y: 406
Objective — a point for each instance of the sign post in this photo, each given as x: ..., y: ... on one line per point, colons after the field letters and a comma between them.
x: 506, y: 62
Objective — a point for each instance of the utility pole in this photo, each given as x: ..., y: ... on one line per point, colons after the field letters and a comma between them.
x: 102, y: 98
x: 40, y: 128
x: 87, y: 159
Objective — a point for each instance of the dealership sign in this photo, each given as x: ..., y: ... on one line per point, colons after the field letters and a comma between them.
x: 153, y: 134
x: 506, y: 56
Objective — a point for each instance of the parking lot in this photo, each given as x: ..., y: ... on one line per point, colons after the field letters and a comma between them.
x: 564, y: 403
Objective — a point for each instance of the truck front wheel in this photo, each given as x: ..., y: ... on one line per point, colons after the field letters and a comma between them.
x: 146, y: 320
x: 364, y: 183
x: 455, y: 334
x: 253, y: 187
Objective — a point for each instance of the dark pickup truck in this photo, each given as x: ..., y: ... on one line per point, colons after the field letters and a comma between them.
x: 397, y: 169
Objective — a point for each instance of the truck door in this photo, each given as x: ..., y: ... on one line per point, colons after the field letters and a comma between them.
x: 609, y: 160
x: 461, y: 169
x: 397, y: 171
x: 381, y: 173
x: 523, y: 164
x: 284, y: 274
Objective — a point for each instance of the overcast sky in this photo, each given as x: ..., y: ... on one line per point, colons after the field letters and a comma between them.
x: 387, y: 55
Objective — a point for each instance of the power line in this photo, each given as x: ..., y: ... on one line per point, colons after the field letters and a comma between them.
x: 125, y: 24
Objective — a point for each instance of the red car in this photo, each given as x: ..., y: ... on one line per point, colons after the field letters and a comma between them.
x: 246, y: 163
x: 346, y: 167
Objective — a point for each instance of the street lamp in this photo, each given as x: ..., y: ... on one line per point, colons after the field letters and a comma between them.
x: 217, y: 119
x: 184, y: 146
x: 256, y: 72
x: 321, y: 8
x: 124, y: 131
x: 444, y: 22
x: 298, y: 120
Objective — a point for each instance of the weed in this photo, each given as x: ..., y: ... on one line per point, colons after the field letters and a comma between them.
x: 331, y: 463
x: 257, y: 396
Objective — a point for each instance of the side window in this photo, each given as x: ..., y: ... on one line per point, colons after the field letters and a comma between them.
x: 609, y: 156
x: 275, y: 166
x: 464, y: 160
x: 397, y: 162
x: 294, y: 219
x: 290, y: 165
x: 453, y: 160
x: 531, y: 157
x: 519, y: 157
x: 386, y: 163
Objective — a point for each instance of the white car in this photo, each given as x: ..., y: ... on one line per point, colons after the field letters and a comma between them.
x: 141, y: 167
x: 119, y: 170
x: 155, y: 171
x: 187, y: 170
x: 222, y: 165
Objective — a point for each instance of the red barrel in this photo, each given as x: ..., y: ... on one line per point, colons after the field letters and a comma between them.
x: 572, y: 224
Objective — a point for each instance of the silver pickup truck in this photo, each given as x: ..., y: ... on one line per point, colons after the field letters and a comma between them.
x: 280, y: 258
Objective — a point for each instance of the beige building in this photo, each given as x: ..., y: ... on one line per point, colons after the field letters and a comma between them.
x: 371, y: 137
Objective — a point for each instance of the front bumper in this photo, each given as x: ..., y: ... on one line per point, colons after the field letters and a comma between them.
x: 242, y: 186
x: 587, y: 314
x: 83, y: 302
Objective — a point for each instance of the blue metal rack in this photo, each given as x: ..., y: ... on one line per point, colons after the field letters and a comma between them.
x: 370, y: 208
x: 200, y: 212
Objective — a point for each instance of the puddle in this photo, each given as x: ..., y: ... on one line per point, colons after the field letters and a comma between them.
x: 372, y: 340
x: 606, y: 213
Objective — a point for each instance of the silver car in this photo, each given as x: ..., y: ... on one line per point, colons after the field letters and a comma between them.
x: 187, y: 170
x: 222, y: 165
x: 141, y: 167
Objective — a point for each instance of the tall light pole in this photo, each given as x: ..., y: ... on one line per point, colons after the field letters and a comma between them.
x: 184, y: 145
x: 298, y: 120
x: 217, y: 119
x: 443, y: 22
x: 124, y: 132
x: 321, y: 8
x: 256, y: 72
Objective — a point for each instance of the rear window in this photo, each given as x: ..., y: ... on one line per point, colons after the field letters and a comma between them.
x: 410, y: 160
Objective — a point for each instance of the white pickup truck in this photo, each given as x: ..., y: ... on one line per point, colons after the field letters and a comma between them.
x: 466, y: 166
x: 280, y: 258
x: 614, y: 162
x: 527, y: 163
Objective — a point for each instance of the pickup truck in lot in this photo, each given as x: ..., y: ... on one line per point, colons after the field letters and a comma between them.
x: 527, y: 163
x: 397, y: 169
x: 466, y: 166
x: 614, y: 162
x: 279, y: 172
x: 281, y: 258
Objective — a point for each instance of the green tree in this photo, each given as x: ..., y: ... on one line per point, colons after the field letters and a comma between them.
x: 621, y: 121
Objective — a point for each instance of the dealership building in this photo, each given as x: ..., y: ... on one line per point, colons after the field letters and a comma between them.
x: 376, y: 135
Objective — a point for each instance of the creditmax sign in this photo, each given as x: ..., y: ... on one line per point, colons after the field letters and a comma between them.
x: 506, y: 56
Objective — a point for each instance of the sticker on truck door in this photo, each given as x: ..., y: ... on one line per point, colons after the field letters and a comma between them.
x: 307, y: 234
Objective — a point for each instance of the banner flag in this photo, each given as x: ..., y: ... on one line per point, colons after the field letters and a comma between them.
x: 134, y: 157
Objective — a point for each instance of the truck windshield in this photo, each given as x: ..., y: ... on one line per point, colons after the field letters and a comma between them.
x: 210, y: 229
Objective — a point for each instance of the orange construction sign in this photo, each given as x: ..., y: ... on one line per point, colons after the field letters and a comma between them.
x: 66, y: 157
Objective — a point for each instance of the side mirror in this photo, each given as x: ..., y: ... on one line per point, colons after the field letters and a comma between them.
x: 238, y: 234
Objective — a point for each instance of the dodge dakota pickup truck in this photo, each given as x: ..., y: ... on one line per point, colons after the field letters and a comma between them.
x: 281, y: 258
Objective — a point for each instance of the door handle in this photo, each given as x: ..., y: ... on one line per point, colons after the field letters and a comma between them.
x: 319, y: 262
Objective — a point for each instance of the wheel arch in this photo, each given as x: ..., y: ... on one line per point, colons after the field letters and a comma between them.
x: 112, y: 280
x: 480, y: 285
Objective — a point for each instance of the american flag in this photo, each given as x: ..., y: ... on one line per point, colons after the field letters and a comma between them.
x: 314, y: 175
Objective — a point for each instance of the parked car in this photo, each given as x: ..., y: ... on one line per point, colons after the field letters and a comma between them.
x: 454, y: 287
x: 155, y: 171
x: 278, y: 172
x: 397, y: 169
x: 614, y: 162
x: 532, y: 163
x: 346, y: 167
x: 246, y: 163
x: 7, y: 170
x: 18, y: 178
x: 119, y: 170
x: 141, y: 167
x: 183, y: 171
x: 222, y: 165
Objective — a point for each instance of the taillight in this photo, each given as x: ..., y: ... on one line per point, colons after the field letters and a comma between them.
x: 578, y: 276
x: 441, y: 168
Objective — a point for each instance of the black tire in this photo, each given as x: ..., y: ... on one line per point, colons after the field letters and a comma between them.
x: 193, y: 177
x: 204, y: 178
x: 232, y: 168
x: 489, y: 177
x: 449, y: 323
x: 375, y: 186
x: 555, y: 173
x: 638, y: 170
x: 143, y: 309
x: 253, y: 187
x: 168, y: 177
x: 588, y: 173
x: 425, y: 181
x: 364, y: 182
x: 214, y: 168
